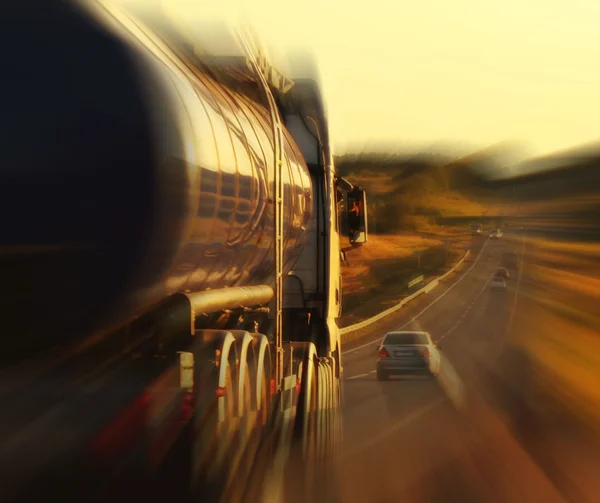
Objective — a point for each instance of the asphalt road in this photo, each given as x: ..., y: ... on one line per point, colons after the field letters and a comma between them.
x: 439, y: 440
x: 434, y: 440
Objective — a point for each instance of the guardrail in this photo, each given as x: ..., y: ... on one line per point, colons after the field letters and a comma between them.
x: 416, y: 281
x: 426, y: 289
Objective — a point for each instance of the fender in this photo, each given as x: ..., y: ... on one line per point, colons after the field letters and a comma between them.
x: 321, y: 413
x: 307, y: 377
x: 225, y: 354
x: 263, y: 370
x: 245, y: 361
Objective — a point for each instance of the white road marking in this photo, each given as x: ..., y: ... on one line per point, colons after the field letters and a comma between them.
x: 376, y: 341
x: 464, y: 315
x: 357, y: 376
x: 514, y: 306
x: 455, y: 381
x: 360, y: 375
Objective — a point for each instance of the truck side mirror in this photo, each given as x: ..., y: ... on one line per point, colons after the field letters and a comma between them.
x: 357, y: 216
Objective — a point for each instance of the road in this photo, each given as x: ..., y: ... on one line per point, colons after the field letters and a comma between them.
x: 425, y: 440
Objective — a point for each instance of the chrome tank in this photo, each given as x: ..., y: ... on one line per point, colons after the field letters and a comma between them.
x: 126, y: 176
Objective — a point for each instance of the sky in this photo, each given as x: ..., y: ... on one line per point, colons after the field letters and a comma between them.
x: 468, y: 73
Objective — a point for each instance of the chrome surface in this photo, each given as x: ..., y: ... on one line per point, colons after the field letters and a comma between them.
x: 127, y: 174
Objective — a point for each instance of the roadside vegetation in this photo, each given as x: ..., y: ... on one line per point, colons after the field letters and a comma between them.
x: 426, y: 203
x: 419, y: 225
x: 564, y: 333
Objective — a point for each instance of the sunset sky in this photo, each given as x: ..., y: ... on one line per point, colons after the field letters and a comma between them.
x: 469, y: 72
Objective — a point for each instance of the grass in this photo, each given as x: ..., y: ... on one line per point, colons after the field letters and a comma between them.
x: 398, y: 201
x: 569, y: 263
x: 564, y: 330
x: 406, y: 205
x: 376, y: 274
x: 562, y: 205
x: 380, y: 248
x: 454, y: 204
x: 569, y: 354
x: 571, y: 283
x: 572, y: 248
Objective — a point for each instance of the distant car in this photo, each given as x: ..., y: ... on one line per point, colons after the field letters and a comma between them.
x: 412, y: 353
x: 510, y: 260
x: 502, y: 272
x: 496, y: 234
x: 498, y: 283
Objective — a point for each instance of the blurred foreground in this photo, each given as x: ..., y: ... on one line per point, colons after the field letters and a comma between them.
x: 527, y: 424
x: 514, y: 415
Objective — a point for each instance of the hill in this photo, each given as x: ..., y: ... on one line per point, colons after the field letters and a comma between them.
x: 563, y: 187
x: 419, y: 208
x: 422, y: 206
x: 414, y: 193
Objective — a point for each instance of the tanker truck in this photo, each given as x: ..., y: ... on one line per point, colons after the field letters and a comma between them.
x: 170, y: 265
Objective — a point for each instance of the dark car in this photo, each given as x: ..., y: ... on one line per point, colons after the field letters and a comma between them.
x: 502, y: 272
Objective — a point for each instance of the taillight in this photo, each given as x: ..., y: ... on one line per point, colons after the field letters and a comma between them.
x: 124, y: 431
x: 187, y: 406
x: 383, y: 353
x: 426, y: 353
